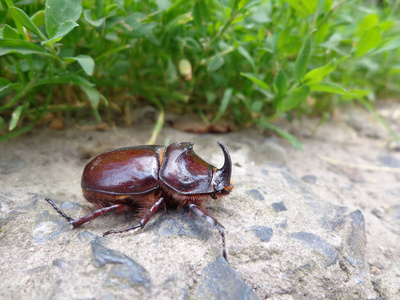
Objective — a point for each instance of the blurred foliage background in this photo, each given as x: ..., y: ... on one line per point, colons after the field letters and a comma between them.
x: 251, y: 62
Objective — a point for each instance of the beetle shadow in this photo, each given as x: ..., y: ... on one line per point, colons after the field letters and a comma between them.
x: 176, y: 223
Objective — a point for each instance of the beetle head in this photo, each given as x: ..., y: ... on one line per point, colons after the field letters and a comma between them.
x: 222, y: 181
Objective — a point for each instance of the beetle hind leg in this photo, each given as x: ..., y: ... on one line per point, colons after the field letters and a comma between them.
x: 87, y: 218
x: 153, y: 209
x: 213, y: 222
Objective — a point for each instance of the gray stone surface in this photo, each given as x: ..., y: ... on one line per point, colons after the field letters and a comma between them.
x: 221, y: 282
x: 286, y: 238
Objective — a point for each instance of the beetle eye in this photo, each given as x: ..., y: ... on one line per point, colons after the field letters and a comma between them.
x: 213, y: 196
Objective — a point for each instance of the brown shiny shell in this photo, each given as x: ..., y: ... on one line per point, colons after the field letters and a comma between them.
x: 185, y: 172
x: 126, y: 171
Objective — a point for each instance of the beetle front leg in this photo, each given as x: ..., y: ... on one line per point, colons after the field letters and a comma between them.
x: 153, y: 209
x: 213, y: 222
x: 87, y: 218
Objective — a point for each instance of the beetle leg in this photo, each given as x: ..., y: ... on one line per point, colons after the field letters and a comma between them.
x: 87, y: 218
x: 213, y: 222
x: 153, y: 209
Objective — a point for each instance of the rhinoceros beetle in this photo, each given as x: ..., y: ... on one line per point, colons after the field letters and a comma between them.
x: 143, y: 178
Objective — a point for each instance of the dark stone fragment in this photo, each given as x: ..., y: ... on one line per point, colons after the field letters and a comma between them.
x: 389, y: 161
x: 255, y: 194
x: 59, y: 262
x: 317, y: 244
x: 176, y: 223
x: 282, y: 224
x: 289, y: 179
x: 279, y: 206
x: 222, y: 282
x: 126, y: 267
x: 356, y: 242
x: 263, y: 233
x: 309, y: 178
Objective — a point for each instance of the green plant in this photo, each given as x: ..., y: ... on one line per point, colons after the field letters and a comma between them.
x: 253, y: 61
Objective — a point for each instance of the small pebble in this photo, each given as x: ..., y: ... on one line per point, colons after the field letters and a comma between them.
x: 279, y: 206
x: 375, y: 271
x: 57, y: 124
x: 379, y: 212
x: 309, y: 178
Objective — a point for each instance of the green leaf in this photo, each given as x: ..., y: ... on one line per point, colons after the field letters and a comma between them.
x: 367, y: 22
x: 216, y: 63
x: 329, y: 87
x: 38, y: 18
x: 257, y: 81
x: 94, y: 96
x: 280, y: 82
x: 4, y: 83
x: 172, y: 72
x: 62, y: 30
x: 369, y: 40
x: 20, y: 46
x: 59, y: 11
x: 256, y: 106
x: 86, y: 62
x: 10, y: 33
x: 304, y: 7
x: 280, y: 87
x: 294, y: 98
x: 7, y: 84
x: 200, y: 13
x: 300, y: 65
x: 15, y: 133
x: 16, y: 115
x: 226, y: 98
x: 88, y: 17
x: 65, y: 79
x: 179, y: 21
x: 247, y: 56
x: 388, y: 44
x: 22, y: 18
x: 319, y: 74
x: 286, y: 135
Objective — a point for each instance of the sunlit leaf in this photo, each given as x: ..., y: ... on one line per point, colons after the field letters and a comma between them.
x: 15, y: 116
x: 328, y: 87
x: 319, y: 74
x: 369, y: 40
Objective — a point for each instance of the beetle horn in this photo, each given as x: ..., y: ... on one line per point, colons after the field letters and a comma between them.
x: 223, y: 175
